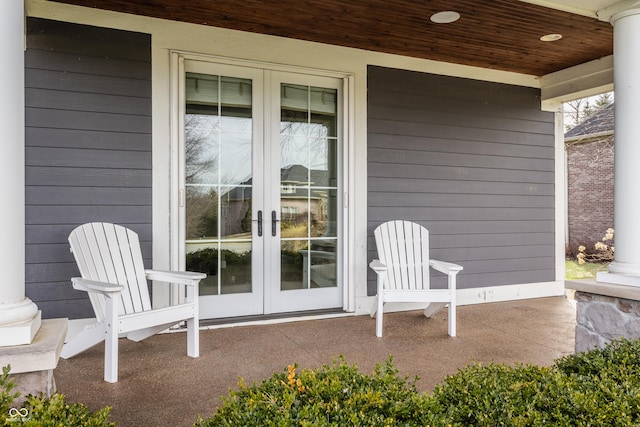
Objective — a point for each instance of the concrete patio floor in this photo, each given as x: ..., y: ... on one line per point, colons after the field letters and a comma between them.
x: 160, y: 386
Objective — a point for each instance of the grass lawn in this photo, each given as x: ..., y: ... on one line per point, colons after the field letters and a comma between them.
x: 588, y: 270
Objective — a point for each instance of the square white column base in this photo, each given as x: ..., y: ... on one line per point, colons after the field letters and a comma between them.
x: 32, y: 365
x: 20, y: 333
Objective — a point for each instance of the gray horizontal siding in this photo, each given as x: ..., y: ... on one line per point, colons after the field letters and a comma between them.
x: 401, y: 127
x: 489, y: 99
x: 80, y: 196
x: 440, y: 200
x: 103, y: 103
x: 85, y: 120
x: 482, y: 240
x: 478, y: 161
x: 79, y: 214
x: 88, y: 148
x: 476, y: 227
x: 73, y: 308
x: 435, y: 186
x: 87, y: 158
x: 88, y: 177
x: 100, y: 84
x: 81, y: 42
x: 408, y: 142
x: 87, y: 139
x: 461, y: 213
x: 474, y: 163
x: 461, y: 173
x: 90, y: 62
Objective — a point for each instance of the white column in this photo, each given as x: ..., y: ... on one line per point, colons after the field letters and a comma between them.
x: 16, y: 311
x: 626, y: 54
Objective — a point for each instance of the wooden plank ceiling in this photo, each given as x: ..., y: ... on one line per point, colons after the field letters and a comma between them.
x: 496, y: 34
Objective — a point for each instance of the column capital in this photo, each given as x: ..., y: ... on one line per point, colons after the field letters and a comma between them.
x: 619, y: 10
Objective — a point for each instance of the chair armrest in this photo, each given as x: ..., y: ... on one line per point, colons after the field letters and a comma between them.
x: 93, y: 286
x: 444, y: 267
x: 175, y: 277
x: 377, y: 266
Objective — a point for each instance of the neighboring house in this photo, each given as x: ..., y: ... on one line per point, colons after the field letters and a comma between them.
x: 303, y: 197
x: 150, y: 114
x: 589, y: 149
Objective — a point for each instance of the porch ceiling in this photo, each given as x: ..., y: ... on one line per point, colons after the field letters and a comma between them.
x: 497, y: 34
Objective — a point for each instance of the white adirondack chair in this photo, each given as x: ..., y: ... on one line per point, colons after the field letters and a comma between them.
x: 403, y: 271
x: 110, y: 262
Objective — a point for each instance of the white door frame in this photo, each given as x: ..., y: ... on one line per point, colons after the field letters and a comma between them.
x: 346, y: 230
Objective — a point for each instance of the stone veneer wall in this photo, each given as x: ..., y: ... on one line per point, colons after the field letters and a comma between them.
x: 601, y: 319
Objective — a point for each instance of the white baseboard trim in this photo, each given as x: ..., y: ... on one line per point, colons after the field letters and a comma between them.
x: 477, y: 296
x: 510, y: 292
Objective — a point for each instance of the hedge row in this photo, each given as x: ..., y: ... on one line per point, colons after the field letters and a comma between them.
x: 597, y: 388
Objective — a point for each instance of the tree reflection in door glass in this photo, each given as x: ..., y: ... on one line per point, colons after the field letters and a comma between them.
x: 218, y: 181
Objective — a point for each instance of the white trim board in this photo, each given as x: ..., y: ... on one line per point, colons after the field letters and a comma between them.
x: 478, y: 296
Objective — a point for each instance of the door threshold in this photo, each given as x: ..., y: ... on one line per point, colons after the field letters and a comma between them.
x: 272, y: 319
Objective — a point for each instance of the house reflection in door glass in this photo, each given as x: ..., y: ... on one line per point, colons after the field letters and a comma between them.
x: 308, y: 186
x: 307, y: 211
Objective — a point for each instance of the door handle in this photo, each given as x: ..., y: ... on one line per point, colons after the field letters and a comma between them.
x: 274, y: 221
x: 259, y: 220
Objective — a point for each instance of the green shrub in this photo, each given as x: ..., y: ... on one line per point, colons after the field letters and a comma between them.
x: 7, y: 395
x: 596, y: 388
x: 620, y: 358
x: 497, y: 395
x: 336, y: 395
x: 46, y: 411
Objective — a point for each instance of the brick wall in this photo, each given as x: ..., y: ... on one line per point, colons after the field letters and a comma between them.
x: 590, y: 198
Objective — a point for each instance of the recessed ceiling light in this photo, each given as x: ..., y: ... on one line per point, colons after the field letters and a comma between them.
x: 551, y: 37
x: 445, y: 17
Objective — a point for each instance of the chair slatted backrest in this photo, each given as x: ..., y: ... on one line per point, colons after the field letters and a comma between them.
x: 403, y: 246
x: 111, y: 253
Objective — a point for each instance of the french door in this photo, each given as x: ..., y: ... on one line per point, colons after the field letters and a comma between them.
x: 260, y: 161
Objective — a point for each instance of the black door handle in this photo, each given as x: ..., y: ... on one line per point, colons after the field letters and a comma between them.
x: 274, y: 221
x: 259, y: 223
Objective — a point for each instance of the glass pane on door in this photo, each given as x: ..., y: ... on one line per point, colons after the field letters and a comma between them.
x: 218, y: 182
x: 308, y: 186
